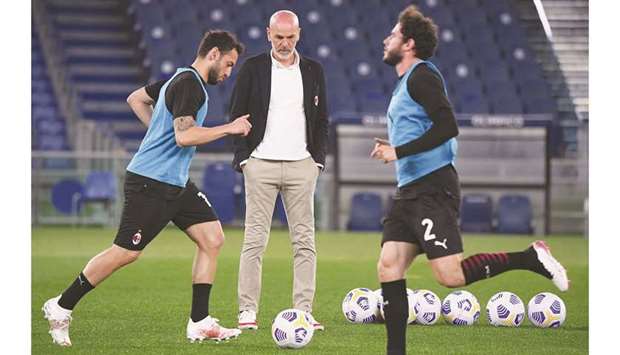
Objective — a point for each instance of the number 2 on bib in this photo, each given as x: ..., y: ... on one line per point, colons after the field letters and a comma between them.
x: 428, y: 223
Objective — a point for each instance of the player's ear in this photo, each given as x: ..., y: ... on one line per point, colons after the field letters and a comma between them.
x: 268, y: 32
x: 214, y: 54
x: 410, y: 44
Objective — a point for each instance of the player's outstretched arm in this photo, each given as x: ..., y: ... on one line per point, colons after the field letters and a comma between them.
x: 187, y: 134
x: 142, y: 105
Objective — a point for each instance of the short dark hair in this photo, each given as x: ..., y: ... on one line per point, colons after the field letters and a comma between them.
x: 422, y: 29
x: 225, y: 41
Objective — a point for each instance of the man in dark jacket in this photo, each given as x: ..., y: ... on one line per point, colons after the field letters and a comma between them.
x: 284, y: 94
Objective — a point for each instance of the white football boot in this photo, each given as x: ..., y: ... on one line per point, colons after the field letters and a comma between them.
x: 209, y: 329
x: 247, y: 320
x: 59, y: 320
x: 557, y: 271
x: 316, y: 325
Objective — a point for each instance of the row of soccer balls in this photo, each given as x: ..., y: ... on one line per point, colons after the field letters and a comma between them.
x: 292, y: 328
x: 545, y: 310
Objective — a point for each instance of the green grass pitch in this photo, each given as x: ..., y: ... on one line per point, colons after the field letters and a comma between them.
x: 143, y: 308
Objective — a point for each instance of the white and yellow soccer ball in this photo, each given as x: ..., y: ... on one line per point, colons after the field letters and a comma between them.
x: 427, y: 306
x: 379, y: 311
x: 360, y: 306
x: 546, y: 310
x: 505, y: 309
x: 292, y: 329
x: 411, y: 317
x: 460, y: 308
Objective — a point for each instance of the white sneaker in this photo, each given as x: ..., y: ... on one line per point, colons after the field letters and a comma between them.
x: 209, y: 329
x: 247, y: 320
x: 59, y: 320
x: 557, y: 271
x: 315, y: 324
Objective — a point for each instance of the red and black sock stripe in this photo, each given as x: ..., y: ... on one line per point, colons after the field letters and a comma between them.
x: 485, y: 265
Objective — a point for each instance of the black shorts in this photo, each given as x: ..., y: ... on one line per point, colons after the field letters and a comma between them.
x: 426, y: 213
x: 151, y: 204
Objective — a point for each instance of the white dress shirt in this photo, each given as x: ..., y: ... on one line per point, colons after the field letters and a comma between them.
x: 285, y: 132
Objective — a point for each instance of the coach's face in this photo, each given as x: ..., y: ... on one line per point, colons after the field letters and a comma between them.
x: 393, y: 46
x: 283, y: 38
x: 222, y: 67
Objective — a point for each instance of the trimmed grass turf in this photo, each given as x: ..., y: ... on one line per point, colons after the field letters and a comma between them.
x: 143, y: 308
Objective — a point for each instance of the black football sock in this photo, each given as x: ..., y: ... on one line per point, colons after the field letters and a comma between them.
x: 74, y: 293
x: 482, y: 266
x: 200, y: 301
x: 395, y: 309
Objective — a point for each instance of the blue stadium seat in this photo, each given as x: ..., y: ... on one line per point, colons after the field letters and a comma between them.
x: 341, y: 102
x: 51, y: 142
x: 492, y: 75
x: 514, y: 215
x: 218, y: 184
x: 539, y: 105
x: 66, y: 196
x: 366, y: 212
x: 254, y: 37
x: 477, y: 213
x: 100, y: 186
x: 50, y: 126
x: 536, y: 87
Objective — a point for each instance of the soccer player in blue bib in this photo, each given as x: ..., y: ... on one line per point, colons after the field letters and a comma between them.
x: 158, y: 190
x: 424, y: 217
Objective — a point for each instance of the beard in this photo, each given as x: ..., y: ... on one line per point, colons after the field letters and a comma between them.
x: 213, y: 75
x: 284, y: 54
x: 392, y: 58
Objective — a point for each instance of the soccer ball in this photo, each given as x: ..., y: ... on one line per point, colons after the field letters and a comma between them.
x: 379, y: 311
x: 410, y: 302
x: 505, y: 309
x: 292, y: 329
x: 427, y: 306
x: 546, y: 310
x: 360, y: 305
x: 460, y: 308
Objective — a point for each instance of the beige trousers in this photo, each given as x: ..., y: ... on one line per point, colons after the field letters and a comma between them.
x: 296, y: 181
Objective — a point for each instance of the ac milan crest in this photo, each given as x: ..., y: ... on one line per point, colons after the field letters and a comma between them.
x: 136, y: 238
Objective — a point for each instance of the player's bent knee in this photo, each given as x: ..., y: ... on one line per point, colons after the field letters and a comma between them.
x: 217, y: 242
x: 126, y: 256
x: 212, y: 241
x: 132, y: 256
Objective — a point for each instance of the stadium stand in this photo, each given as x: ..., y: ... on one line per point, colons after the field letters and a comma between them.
x: 496, y: 60
x: 476, y: 52
x: 366, y: 212
x: 477, y: 213
x: 514, y: 215
x: 479, y: 54
x: 102, y: 62
x: 67, y: 195
x: 100, y: 186
x: 48, y: 125
x: 219, y: 183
